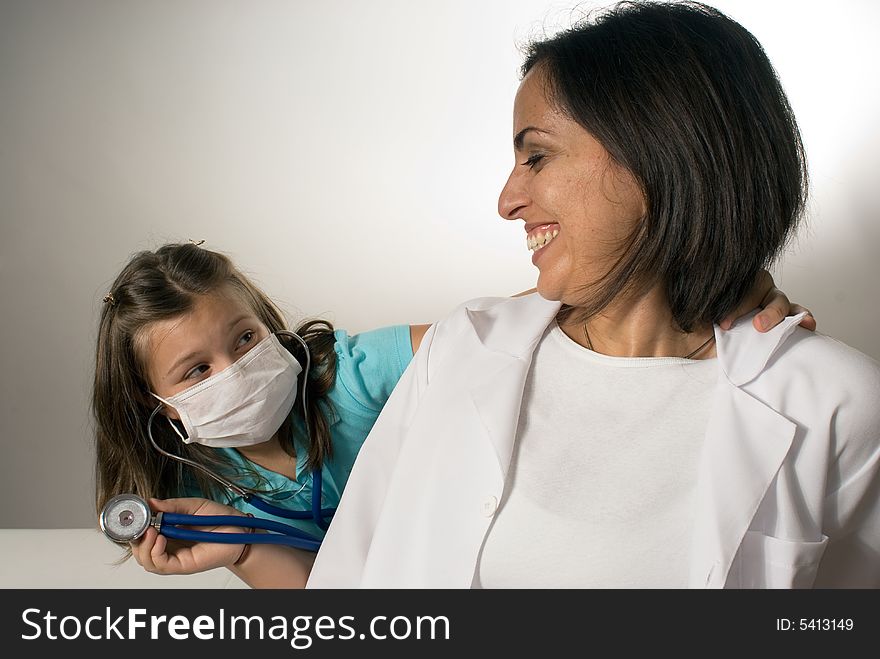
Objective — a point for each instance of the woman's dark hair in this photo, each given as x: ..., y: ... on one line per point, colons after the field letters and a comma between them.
x: 158, y: 285
x: 686, y: 100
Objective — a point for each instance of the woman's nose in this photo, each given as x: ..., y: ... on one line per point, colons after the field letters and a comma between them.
x: 513, y: 198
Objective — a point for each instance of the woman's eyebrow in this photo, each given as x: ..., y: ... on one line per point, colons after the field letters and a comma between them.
x: 520, y: 136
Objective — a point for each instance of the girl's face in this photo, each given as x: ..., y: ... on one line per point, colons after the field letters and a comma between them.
x: 574, y: 199
x: 180, y: 352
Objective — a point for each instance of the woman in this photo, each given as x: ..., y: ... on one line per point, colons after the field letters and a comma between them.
x: 607, y: 432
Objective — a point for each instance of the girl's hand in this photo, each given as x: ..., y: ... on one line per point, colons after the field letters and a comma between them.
x: 774, y: 303
x: 161, y: 555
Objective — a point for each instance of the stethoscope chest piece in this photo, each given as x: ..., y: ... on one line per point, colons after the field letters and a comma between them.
x: 124, y: 518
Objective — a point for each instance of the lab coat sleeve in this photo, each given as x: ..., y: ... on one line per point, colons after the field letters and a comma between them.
x: 852, y: 506
x: 344, y: 552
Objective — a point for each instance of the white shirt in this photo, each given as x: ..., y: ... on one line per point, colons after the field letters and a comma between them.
x: 604, y: 471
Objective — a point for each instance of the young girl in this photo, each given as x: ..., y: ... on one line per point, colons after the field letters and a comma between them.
x: 177, y: 317
x: 174, y: 328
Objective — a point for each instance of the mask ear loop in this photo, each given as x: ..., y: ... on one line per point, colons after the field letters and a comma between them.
x: 195, y: 465
x: 176, y: 429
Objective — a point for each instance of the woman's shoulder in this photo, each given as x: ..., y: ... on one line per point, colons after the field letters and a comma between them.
x: 826, y: 388
x: 483, y: 313
x: 833, y: 390
x: 506, y: 324
x: 831, y: 357
x: 479, y: 328
x: 788, y: 352
x: 825, y: 375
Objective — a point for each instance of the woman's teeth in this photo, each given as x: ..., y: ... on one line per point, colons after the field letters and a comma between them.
x: 538, y: 240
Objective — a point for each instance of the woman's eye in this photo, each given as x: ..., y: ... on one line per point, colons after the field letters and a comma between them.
x: 246, y: 338
x: 195, y: 372
x: 533, y: 160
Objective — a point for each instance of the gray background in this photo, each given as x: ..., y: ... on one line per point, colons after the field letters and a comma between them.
x: 347, y: 155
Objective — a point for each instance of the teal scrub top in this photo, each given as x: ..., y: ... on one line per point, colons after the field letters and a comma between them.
x: 368, y: 366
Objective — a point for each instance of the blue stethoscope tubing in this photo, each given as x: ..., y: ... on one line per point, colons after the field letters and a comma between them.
x: 126, y: 517
x: 317, y: 514
x: 287, y: 535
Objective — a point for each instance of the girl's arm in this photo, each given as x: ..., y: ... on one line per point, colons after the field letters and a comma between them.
x: 416, y: 334
x: 259, y: 566
x: 274, y: 566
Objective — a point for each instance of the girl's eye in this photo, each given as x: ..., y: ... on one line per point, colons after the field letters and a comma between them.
x: 533, y: 160
x: 246, y: 338
x: 195, y: 372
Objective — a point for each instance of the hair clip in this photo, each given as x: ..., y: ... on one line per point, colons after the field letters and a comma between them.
x: 196, y: 243
x: 109, y: 299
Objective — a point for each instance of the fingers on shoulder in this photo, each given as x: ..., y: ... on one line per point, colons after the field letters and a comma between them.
x: 809, y: 321
x: 775, y: 307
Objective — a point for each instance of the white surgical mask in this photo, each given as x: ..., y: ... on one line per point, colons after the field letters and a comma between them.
x: 242, y: 405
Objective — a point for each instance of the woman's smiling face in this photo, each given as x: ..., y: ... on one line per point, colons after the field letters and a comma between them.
x: 574, y: 199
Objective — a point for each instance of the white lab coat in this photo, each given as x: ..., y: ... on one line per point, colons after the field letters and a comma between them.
x: 788, y: 490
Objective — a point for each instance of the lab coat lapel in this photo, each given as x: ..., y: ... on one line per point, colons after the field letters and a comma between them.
x: 501, y: 370
x: 745, y: 445
x: 746, y: 442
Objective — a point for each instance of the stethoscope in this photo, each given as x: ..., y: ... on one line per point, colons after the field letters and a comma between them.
x: 126, y: 517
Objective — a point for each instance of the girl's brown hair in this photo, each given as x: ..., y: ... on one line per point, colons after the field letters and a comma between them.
x: 158, y: 285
